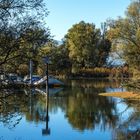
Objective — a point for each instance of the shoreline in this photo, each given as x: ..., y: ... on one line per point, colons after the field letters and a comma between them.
x: 124, y: 95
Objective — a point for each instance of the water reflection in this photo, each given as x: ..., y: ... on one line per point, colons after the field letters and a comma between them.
x: 10, y: 108
x: 46, y: 130
x: 130, y: 128
x: 19, y: 103
x: 85, y: 110
x: 80, y: 105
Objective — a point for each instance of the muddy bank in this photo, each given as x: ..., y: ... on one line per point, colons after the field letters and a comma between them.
x: 125, y: 95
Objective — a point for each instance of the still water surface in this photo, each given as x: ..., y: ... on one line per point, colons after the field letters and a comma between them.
x: 75, y: 112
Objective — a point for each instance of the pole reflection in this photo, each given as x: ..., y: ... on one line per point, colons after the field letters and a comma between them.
x: 46, y: 131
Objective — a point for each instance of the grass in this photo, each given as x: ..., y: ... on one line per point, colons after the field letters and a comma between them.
x: 125, y: 95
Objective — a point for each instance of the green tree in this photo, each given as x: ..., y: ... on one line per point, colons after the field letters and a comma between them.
x: 60, y: 60
x: 126, y: 33
x: 16, y: 49
x: 58, y: 56
x: 21, y: 27
x: 32, y: 40
x: 86, y: 46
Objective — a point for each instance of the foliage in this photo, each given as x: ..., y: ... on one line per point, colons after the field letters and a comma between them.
x: 60, y: 60
x: 22, y: 30
x: 100, y: 72
x: 126, y: 31
x: 86, y: 46
x: 14, y: 9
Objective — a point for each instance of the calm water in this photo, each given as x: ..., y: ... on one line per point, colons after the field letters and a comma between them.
x: 75, y: 112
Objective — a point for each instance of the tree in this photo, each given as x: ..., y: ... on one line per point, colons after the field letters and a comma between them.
x: 21, y: 27
x: 14, y: 9
x: 16, y: 49
x: 126, y: 31
x: 86, y: 46
x: 33, y: 38
x: 60, y: 60
x: 58, y: 56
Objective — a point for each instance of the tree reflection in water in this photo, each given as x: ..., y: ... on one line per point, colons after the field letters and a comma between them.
x: 82, y: 106
x: 130, y: 128
x: 16, y: 104
x: 85, y: 110
x: 10, y: 113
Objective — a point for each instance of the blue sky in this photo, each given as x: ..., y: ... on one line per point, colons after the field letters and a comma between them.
x: 65, y: 13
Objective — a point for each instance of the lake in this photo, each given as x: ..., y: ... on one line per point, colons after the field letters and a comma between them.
x: 75, y: 112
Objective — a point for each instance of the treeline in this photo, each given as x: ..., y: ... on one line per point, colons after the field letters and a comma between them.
x: 85, y: 49
x: 106, y: 72
x: 84, y: 46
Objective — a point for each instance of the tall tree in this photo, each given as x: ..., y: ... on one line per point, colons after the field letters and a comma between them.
x: 21, y: 24
x: 126, y: 31
x: 86, y: 46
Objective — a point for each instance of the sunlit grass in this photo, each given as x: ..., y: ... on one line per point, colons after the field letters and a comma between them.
x: 125, y: 95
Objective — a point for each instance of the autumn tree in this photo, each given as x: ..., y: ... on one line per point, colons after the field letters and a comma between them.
x: 125, y: 32
x: 86, y: 46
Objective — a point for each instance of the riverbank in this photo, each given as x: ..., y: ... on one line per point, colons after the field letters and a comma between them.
x: 124, y: 95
